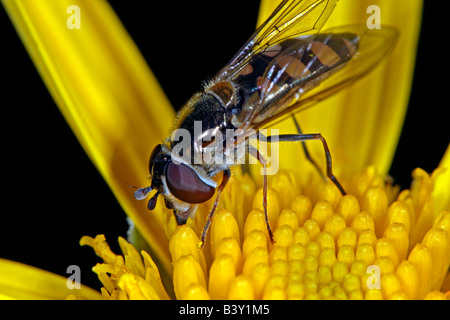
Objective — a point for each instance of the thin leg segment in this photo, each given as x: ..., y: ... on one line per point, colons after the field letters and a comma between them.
x: 255, y: 153
x: 308, y: 137
x: 226, y: 177
x: 305, y: 150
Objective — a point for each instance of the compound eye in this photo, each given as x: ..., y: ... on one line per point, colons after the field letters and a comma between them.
x: 155, y: 152
x: 185, y: 185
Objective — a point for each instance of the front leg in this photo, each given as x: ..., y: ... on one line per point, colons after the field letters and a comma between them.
x: 226, y: 177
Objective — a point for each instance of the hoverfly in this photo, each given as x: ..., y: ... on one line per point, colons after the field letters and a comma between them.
x: 285, y: 67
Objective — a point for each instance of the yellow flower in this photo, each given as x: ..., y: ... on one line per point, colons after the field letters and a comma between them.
x: 376, y: 242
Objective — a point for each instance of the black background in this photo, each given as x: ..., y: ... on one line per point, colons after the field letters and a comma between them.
x: 53, y: 195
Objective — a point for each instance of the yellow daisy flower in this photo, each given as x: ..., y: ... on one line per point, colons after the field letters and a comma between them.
x: 377, y: 242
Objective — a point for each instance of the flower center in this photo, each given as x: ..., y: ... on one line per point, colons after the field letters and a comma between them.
x: 374, y: 243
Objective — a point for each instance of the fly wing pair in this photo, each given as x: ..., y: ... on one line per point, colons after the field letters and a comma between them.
x: 287, y: 65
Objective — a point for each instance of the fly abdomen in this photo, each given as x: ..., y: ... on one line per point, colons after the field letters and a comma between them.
x: 297, y: 60
x: 302, y: 62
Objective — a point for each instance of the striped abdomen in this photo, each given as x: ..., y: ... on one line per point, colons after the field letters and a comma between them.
x: 292, y: 67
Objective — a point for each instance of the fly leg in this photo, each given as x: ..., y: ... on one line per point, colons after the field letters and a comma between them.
x: 256, y: 154
x: 309, y: 137
x: 305, y: 150
x: 226, y: 177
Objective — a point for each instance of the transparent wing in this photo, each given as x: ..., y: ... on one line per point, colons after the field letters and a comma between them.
x: 275, y: 104
x: 290, y: 19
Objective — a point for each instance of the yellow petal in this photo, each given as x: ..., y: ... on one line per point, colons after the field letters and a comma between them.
x: 346, y: 255
x: 398, y: 233
x: 196, y: 292
x: 386, y: 248
x: 321, y: 213
x: 375, y: 202
x: 19, y: 281
x: 302, y: 207
x: 440, y: 193
x: 106, y: 93
x: 347, y: 238
x: 254, y: 239
x: 137, y: 288
x: 363, y: 221
x: 184, y: 242
x: 421, y: 258
x: 221, y: 275
x: 241, y: 289
x: 366, y: 253
x: 390, y: 284
x: 335, y: 225
x: 349, y: 208
x: 187, y: 273
x: 436, y: 295
x: 289, y: 218
x: 409, y: 279
x: 257, y: 256
x: 224, y: 226
x: 230, y: 247
x: 437, y: 241
x: 127, y: 276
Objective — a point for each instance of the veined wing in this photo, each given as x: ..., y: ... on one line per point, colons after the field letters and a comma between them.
x: 290, y: 19
x: 290, y: 85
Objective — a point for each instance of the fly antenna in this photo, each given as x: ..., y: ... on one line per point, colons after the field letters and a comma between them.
x: 140, y: 193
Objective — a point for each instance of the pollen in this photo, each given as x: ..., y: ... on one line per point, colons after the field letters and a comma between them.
x: 375, y: 243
